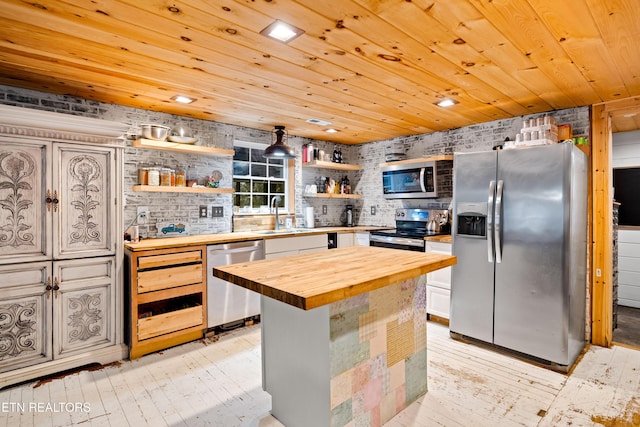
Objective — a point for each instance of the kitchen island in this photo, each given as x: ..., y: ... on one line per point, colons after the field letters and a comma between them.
x: 343, y: 332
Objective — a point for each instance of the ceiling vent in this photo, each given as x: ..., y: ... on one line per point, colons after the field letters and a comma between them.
x: 319, y: 122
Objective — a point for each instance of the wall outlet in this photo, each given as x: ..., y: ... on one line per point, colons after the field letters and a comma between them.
x: 217, y: 211
x: 143, y: 215
x: 373, y: 210
x: 324, y: 209
x: 204, y: 211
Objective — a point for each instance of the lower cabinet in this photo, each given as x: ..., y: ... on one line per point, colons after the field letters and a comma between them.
x: 57, y: 315
x: 166, y: 298
x: 439, y: 283
x: 285, y: 246
x: 345, y: 240
x: 361, y: 238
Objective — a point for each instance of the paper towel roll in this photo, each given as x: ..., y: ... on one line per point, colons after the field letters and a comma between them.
x: 308, y: 217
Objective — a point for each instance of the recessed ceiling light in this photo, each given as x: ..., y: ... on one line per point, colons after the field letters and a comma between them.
x: 446, y: 102
x: 332, y: 130
x: 281, y: 31
x: 319, y: 122
x: 183, y: 99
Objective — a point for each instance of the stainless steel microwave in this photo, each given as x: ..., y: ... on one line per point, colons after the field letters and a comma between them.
x: 410, y: 181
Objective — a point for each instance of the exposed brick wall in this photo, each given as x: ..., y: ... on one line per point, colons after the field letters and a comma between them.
x: 368, y: 181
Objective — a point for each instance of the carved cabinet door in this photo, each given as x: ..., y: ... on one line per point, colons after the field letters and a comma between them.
x: 84, y: 217
x: 25, y: 315
x: 84, y: 312
x: 25, y: 224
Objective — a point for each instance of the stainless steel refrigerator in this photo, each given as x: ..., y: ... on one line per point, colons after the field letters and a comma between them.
x: 520, y: 236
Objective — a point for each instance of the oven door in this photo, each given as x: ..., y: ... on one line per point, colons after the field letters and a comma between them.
x: 409, y: 181
x: 393, y: 242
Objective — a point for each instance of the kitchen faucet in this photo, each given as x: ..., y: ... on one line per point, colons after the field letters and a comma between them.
x: 274, y: 200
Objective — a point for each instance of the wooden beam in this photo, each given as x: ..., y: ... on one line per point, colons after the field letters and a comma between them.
x: 602, y: 263
x: 602, y: 216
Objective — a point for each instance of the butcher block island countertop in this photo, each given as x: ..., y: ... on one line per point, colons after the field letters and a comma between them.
x: 312, y: 280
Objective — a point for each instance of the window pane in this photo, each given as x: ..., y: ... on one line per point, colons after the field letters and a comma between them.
x: 276, y: 171
x: 240, y: 168
x: 260, y: 186
x: 276, y: 161
x: 241, y: 153
x: 258, y: 170
x: 260, y: 200
x: 242, y: 185
x: 257, y: 155
x: 277, y: 187
x: 241, y: 200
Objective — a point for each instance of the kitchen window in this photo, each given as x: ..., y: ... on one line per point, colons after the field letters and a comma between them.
x: 257, y: 179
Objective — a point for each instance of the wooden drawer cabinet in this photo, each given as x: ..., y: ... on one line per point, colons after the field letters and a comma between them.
x: 164, y: 278
x: 165, y: 323
x: 167, y: 298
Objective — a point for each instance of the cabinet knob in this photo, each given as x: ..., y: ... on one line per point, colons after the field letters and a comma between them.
x: 49, y: 200
x: 55, y: 287
x: 48, y: 287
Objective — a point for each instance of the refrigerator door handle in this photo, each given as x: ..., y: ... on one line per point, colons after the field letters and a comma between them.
x: 492, y: 192
x: 498, y: 221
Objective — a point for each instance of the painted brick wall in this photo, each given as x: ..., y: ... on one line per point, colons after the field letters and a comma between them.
x: 184, y: 207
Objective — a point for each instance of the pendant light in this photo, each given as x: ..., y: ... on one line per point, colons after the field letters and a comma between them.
x: 278, y: 149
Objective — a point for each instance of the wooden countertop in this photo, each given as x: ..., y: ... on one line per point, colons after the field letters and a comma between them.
x: 443, y: 238
x: 238, y: 236
x: 311, y: 280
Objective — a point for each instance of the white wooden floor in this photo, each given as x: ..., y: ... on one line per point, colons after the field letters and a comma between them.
x: 209, y: 383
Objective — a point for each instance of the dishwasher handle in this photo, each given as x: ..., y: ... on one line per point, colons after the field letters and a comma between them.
x: 233, y: 251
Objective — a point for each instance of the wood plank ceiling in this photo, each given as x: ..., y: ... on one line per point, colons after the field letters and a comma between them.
x: 373, y: 68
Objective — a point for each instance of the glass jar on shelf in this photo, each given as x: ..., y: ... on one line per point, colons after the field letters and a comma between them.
x: 143, y: 173
x: 192, y: 178
x: 181, y: 177
x: 165, y: 177
x: 154, y: 175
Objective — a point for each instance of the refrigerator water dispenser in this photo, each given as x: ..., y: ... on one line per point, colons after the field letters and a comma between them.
x: 472, y: 220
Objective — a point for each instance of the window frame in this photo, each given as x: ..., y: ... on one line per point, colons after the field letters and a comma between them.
x: 288, y: 179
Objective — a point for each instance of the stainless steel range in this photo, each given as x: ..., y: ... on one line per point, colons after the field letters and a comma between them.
x: 412, y: 225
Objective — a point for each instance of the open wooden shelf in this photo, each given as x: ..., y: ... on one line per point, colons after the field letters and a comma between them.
x: 331, y: 165
x: 167, y: 189
x: 181, y: 148
x: 333, y: 196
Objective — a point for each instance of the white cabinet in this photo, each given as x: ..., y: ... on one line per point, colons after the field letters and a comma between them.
x: 345, y: 240
x: 439, y: 282
x: 285, y: 246
x: 26, y: 310
x: 60, y: 259
x: 361, y: 238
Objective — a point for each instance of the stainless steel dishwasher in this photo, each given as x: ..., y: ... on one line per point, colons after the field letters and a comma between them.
x: 228, y: 303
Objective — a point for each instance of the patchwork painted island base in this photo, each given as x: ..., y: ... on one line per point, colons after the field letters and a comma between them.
x: 360, y: 360
x: 354, y: 357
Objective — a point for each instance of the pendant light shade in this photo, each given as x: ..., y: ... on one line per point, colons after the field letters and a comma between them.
x: 278, y: 149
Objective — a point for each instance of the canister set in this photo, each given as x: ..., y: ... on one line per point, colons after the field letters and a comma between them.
x: 158, y: 175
